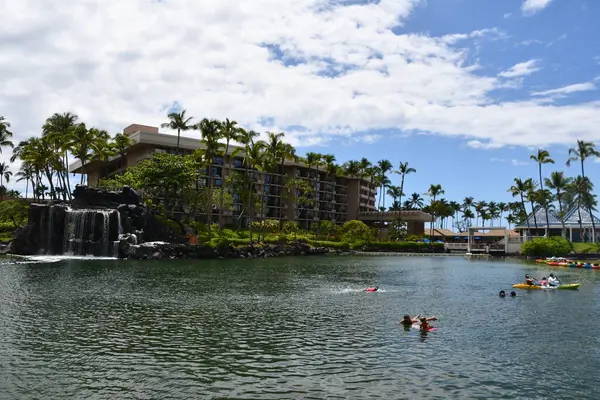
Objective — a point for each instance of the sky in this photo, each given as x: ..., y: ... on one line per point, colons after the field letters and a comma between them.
x: 462, y: 90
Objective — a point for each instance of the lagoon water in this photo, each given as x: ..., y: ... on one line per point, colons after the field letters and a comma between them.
x: 294, y: 328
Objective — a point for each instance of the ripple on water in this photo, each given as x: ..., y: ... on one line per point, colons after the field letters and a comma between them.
x: 303, y: 328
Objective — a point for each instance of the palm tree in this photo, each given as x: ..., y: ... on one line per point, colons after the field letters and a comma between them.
x: 433, y: 192
x: 103, y: 150
x: 5, y: 175
x: 502, y: 208
x: 247, y: 139
x: 403, y: 170
x: 455, y: 206
x: 82, y: 142
x: 26, y: 173
x: 583, y: 151
x: 59, y: 130
x: 480, y: 207
x: 230, y: 131
x: 467, y: 204
x: 559, y: 183
x: 255, y: 158
x: 210, y: 130
x: 581, y: 189
x: 385, y: 166
x: 5, y: 134
x: 331, y: 169
x: 542, y: 157
x: 492, y: 211
x: 122, y: 143
x: 520, y: 188
x: 416, y: 201
x: 314, y: 159
x: 530, y: 195
x: 179, y: 122
x: 395, y: 193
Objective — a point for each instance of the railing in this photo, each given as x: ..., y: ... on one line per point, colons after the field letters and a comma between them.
x: 457, y: 246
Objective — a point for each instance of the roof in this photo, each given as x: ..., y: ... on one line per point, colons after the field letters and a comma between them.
x: 571, y: 219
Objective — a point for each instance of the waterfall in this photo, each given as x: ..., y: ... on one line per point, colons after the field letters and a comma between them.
x: 89, y: 231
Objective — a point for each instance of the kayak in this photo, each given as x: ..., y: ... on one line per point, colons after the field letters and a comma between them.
x: 568, y: 286
x: 371, y: 289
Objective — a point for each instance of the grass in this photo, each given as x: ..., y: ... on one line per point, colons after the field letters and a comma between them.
x: 586, y: 247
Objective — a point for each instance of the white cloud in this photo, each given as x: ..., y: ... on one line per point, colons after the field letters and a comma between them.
x: 345, y: 74
x: 456, y: 37
x: 530, y: 7
x: 517, y: 163
x: 520, y: 69
x: 577, y: 87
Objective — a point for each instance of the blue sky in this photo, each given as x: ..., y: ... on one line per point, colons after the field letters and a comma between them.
x: 464, y: 90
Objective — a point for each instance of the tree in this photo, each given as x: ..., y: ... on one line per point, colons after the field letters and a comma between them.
x: 542, y: 157
x: 121, y: 143
x: 58, y: 129
x: 103, y: 150
x: 5, y: 175
x: 179, y: 122
x: 403, y: 170
x: 15, y: 211
x: 26, y: 173
x: 519, y: 189
x: 433, y: 192
x: 5, y: 134
x: 210, y: 130
x: 385, y: 166
x: 230, y: 131
x: 583, y: 151
x: 416, y: 201
x: 560, y: 184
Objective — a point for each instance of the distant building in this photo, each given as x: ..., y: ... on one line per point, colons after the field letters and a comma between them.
x: 336, y: 196
x: 578, y: 225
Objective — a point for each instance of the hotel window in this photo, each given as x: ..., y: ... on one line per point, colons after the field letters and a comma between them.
x: 218, y: 182
x: 218, y: 160
x: 238, y: 163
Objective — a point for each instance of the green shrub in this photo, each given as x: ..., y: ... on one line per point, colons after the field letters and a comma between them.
x: 168, y: 223
x: 353, y: 231
x: 239, y: 242
x: 556, y: 246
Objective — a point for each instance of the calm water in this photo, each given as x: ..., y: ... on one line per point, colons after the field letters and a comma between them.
x: 293, y: 328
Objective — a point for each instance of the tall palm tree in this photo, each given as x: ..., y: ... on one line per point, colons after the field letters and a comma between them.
x: 416, y: 201
x: 467, y: 205
x: 210, y: 130
x: 5, y: 134
x: 331, y: 169
x: 103, y: 150
x: 122, y: 142
x: 434, y: 191
x: 492, y: 211
x: 230, y: 131
x: 26, y: 173
x: 5, y: 175
x: 179, y: 122
x: 255, y: 158
x: 314, y: 160
x: 502, y: 208
x: 456, y: 208
x: 520, y: 188
x: 583, y: 151
x: 403, y: 170
x: 530, y: 196
x: 385, y: 166
x: 560, y: 184
x: 395, y: 193
x: 246, y: 138
x: 542, y: 157
x: 58, y: 129
x: 82, y: 142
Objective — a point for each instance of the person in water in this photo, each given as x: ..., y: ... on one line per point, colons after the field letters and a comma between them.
x: 408, y: 321
x: 553, y: 281
x: 424, y: 326
x: 513, y: 294
x: 502, y: 293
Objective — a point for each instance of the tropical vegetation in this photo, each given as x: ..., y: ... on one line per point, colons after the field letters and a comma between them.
x: 190, y: 183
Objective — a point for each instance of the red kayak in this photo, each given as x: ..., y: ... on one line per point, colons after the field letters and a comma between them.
x: 371, y: 289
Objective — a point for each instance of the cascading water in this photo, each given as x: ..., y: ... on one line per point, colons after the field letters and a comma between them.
x: 90, y: 231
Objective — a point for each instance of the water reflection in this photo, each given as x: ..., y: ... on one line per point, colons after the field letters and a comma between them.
x: 292, y: 328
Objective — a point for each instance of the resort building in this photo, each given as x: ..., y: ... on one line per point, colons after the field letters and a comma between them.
x: 577, y: 223
x: 337, y: 198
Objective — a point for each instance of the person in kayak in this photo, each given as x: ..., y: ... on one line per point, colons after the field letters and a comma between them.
x: 529, y: 280
x: 553, y: 281
x: 544, y: 281
x: 408, y: 321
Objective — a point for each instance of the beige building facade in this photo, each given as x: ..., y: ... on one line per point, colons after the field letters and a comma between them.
x: 337, y: 198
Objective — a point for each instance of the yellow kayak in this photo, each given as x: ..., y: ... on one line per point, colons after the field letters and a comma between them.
x: 569, y: 286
